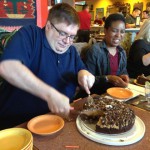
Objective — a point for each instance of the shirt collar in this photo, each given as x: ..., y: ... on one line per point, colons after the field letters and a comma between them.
x: 103, y: 45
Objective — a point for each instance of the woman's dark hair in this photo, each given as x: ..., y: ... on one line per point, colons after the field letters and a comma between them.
x: 63, y: 13
x: 112, y: 18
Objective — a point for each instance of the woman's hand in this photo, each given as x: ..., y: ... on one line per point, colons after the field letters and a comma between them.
x: 120, y: 81
x: 125, y: 78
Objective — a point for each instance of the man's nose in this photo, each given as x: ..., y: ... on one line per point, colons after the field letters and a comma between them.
x: 67, y: 39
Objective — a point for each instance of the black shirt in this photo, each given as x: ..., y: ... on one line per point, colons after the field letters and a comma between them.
x: 135, y: 65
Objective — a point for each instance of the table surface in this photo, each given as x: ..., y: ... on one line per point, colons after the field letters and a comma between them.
x: 132, y: 30
x: 70, y: 136
x: 127, y: 29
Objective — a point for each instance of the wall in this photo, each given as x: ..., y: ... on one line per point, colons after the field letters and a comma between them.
x: 42, y: 12
x: 70, y: 2
x: 42, y: 9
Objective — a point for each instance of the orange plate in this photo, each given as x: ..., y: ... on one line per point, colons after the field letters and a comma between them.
x: 135, y: 82
x: 45, y: 124
x: 119, y: 93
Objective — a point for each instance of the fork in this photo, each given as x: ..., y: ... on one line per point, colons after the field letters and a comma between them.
x: 90, y: 100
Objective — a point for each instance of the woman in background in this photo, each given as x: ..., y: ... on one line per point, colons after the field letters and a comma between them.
x: 139, y: 55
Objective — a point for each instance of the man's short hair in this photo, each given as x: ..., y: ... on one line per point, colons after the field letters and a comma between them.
x: 112, y: 18
x: 85, y: 6
x: 147, y: 12
x: 136, y: 8
x: 63, y: 13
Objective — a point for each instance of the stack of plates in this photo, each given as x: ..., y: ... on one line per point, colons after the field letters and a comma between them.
x: 16, y: 139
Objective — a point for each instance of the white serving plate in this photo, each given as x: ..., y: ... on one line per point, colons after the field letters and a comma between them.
x: 132, y: 136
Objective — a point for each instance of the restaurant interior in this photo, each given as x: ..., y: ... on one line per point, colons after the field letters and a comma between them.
x: 101, y: 8
x: 74, y: 133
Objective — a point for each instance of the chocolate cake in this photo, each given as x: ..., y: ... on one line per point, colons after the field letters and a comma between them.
x: 111, y: 116
x: 142, y: 79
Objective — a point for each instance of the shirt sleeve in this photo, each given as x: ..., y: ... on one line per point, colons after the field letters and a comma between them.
x: 21, y: 46
x: 138, y: 50
x: 129, y: 19
x: 92, y: 58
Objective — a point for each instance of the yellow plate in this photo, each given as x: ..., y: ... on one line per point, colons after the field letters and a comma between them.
x: 119, y: 93
x: 15, y: 139
x: 45, y: 124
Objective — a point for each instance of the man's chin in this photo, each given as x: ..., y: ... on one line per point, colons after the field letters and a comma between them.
x: 61, y: 51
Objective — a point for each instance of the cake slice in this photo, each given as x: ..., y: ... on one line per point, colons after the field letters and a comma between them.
x: 142, y: 79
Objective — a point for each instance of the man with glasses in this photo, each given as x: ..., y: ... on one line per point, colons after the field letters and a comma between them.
x: 42, y: 69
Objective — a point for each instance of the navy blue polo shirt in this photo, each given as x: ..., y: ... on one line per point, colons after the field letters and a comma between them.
x: 30, y: 46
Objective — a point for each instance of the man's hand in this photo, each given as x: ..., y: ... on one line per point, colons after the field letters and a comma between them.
x: 24, y: 79
x: 86, y: 80
x: 58, y: 103
x: 146, y: 59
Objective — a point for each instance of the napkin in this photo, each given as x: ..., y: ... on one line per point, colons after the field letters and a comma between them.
x: 136, y: 89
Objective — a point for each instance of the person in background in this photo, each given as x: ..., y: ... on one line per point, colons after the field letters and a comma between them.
x: 85, y: 22
x: 42, y: 69
x: 104, y: 18
x: 120, y: 11
x: 145, y: 15
x: 148, y: 8
x: 131, y: 18
x: 98, y: 20
x: 106, y: 60
x: 139, y: 55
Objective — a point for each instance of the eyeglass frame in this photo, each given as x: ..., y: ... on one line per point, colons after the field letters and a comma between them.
x: 63, y: 34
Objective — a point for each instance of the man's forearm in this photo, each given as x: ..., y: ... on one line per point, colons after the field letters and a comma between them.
x: 20, y: 76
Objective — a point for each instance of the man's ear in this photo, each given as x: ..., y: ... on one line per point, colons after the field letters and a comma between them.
x: 48, y: 25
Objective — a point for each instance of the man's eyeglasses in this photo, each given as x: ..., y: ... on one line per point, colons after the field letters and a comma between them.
x: 64, y: 35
